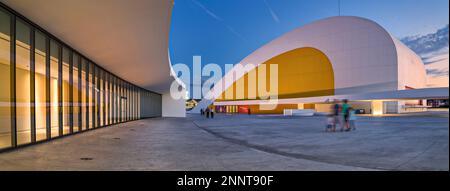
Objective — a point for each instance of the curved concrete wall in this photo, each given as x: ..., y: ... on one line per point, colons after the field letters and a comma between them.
x: 411, y: 70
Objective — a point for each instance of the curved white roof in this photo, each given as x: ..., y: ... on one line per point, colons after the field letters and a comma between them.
x: 128, y: 38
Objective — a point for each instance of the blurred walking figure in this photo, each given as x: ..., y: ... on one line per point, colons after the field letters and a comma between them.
x: 202, y: 112
x: 345, y: 114
x: 352, y: 118
x: 212, y: 113
x: 207, y: 112
x: 330, y: 123
x: 335, y: 114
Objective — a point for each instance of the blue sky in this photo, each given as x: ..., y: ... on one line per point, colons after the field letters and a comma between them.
x: 225, y: 31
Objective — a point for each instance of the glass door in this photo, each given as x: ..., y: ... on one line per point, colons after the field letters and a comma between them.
x: 123, y: 107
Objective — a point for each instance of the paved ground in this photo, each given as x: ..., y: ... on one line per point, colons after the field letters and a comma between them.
x: 240, y: 142
x: 384, y: 143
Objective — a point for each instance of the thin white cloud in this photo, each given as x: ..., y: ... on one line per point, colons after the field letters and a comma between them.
x: 219, y: 19
x: 231, y: 29
x: 207, y: 11
x: 274, y: 15
x: 434, y: 50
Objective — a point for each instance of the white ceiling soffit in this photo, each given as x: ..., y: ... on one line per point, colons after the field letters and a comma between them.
x: 127, y: 37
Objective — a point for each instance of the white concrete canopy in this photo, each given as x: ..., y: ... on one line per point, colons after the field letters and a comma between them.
x: 127, y: 37
x: 414, y: 94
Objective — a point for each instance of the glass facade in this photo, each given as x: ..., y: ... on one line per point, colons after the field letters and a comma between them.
x: 5, y: 79
x: 50, y: 90
x: 23, y: 107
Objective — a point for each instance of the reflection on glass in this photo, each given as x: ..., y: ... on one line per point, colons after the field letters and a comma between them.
x: 96, y: 94
x: 23, y: 110
x: 107, y: 106
x: 91, y: 98
x: 119, y: 101
x: 75, y: 93
x: 84, y: 95
x: 133, y: 106
x: 127, y: 102
x: 65, y: 91
x: 54, y: 55
x: 110, y: 99
x: 102, y: 92
x: 139, y: 105
x: 135, y: 103
x: 114, y: 100
x: 130, y: 102
x: 5, y: 68
x: 40, y: 93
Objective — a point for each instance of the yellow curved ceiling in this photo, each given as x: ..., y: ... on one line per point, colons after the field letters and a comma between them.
x: 302, y: 72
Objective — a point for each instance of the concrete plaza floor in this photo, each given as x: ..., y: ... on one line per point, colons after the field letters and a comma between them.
x: 241, y: 142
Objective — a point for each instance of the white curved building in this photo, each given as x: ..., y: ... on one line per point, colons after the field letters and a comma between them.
x: 364, y: 58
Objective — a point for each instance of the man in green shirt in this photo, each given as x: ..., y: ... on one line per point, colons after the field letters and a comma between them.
x: 345, y: 114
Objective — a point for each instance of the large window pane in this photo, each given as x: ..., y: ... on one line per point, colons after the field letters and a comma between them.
x: 124, y: 102
x: 131, y: 102
x: 84, y: 95
x: 111, y: 100
x: 134, y: 103
x: 107, y: 106
x: 90, y: 96
x: 114, y: 100
x: 136, y: 97
x: 102, y: 98
x: 75, y: 93
x: 5, y: 81
x: 139, y: 104
x: 40, y: 93
x: 23, y: 110
x: 97, y: 97
x: 54, y: 58
x: 65, y: 91
x: 119, y: 101
x: 127, y: 100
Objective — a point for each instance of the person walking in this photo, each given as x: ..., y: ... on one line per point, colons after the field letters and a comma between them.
x: 352, y: 118
x: 336, y: 110
x: 207, y: 112
x: 345, y: 115
x: 202, y: 112
x: 212, y: 113
x: 330, y: 123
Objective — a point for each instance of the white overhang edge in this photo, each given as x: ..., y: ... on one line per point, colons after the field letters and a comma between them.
x: 414, y: 94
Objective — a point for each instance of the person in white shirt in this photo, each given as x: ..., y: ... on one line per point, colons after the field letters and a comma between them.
x: 352, y: 118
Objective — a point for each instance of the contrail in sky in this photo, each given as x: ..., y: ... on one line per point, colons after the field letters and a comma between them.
x: 274, y: 15
x: 219, y: 19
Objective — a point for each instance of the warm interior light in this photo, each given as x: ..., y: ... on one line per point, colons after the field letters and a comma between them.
x: 377, y: 107
x: 377, y: 113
